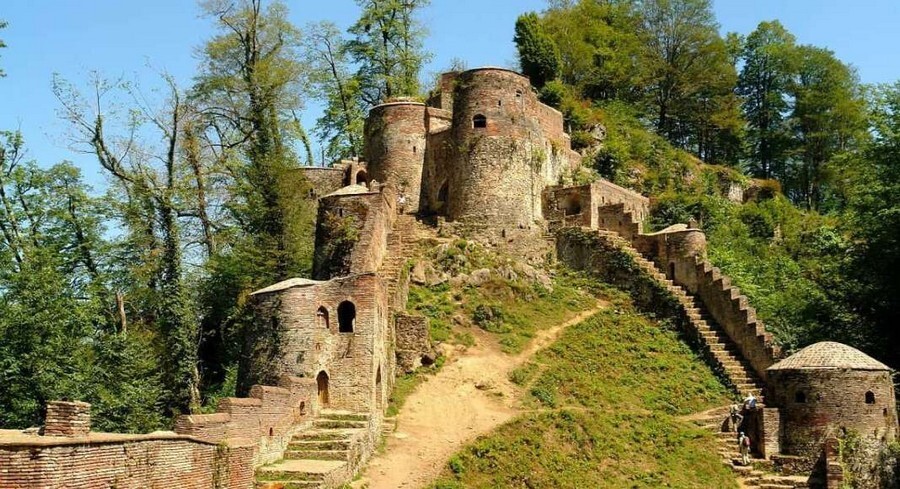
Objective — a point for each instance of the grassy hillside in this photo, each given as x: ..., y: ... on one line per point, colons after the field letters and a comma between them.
x: 606, y: 398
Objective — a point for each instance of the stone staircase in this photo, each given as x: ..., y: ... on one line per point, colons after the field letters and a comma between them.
x: 322, y: 457
x: 760, y: 473
x: 712, y: 338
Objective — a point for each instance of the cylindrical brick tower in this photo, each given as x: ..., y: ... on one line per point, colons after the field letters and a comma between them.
x: 395, y: 136
x: 829, y: 389
x: 494, y: 175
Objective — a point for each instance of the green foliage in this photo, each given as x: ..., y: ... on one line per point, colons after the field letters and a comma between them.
x: 613, y: 385
x: 3, y: 25
x: 538, y: 54
x: 387, y: 45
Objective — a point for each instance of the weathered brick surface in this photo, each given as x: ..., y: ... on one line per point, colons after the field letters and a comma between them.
x: 833, y: 401
x: 267, y: 420
x: 598, y: 205
x: 67, y: 418
x: 412, y: 341
x: 367, y: 216
x: 494, y: 175
x: 130, y: 462
x: 395, y: 148
x: 299, y: 342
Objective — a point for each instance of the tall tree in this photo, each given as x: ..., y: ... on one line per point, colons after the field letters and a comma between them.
x: 151, y: 211
x: 828, y: 118
x: 538, y: 54
x: 249, y: 87
x: 769, y: 55
x: 333, y: 82
x: 689, y: 76
x: 388, y: 46
x: 599, y: 47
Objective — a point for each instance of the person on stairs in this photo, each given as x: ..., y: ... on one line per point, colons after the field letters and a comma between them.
x: 735, y: 417
x: 744, y: 444
x: 750, y: 402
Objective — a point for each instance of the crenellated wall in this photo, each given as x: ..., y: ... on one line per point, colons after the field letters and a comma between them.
x: 267, y: 419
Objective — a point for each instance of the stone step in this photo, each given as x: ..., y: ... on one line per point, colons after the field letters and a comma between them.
x: 323, y: 435
x: 317, y: 455
x: 299, y: 470
x: 288, y: 484
x: 320, y: 444
x: 339, y: 423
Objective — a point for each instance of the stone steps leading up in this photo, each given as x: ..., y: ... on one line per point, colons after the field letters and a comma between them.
x: 761, y: 473
x: 318, y: 457
x: 712, y: 337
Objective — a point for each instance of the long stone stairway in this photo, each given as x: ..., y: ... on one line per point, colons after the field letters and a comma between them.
x: 403, y: 243
x: 711, y: 336
x: 322, y: 457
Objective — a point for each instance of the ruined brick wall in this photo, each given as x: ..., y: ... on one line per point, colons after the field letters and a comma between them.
x: 599, y: 205
x: 763, y: 426
x: 832, y: 400
x: 442, y: 96
x: 504, y: 153
x: 324, y: 180
x: 298, y: 333
x: 154, y: 461
x: 412, y: 341
x: 352, y: 231
x: 267, y: 419
x: 395, y: 140
x: 438, y: 154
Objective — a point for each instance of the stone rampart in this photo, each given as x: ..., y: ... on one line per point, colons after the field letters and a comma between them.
x: 413, y: 341
x: 268, y: 418
x: 159, y: 460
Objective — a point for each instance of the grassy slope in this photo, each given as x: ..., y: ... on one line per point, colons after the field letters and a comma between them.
x: 606, y: 397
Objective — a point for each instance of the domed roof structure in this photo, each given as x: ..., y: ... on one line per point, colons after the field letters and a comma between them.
x: 829, y: 355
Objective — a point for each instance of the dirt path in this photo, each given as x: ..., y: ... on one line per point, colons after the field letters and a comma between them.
x: 448, y: 410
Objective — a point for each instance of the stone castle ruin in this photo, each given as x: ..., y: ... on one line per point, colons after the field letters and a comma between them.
x: 483, y: 159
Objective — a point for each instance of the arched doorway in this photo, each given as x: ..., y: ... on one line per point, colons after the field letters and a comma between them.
x: 443, y: 196
x: 571, y: 204
x: 362, y: 178
x: 322, y: 384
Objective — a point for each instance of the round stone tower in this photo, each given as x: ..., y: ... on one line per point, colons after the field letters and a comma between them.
x: 494, y: 176
x: 828, y: 389
x: 395, y: 136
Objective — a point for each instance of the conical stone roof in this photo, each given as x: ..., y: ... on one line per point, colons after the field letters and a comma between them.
x: 354, y: 189
x: 829, y: 355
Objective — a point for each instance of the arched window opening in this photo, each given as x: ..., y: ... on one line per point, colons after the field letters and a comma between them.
x: 322, y: 388
x: 479, y: 121
x: 499, y: 103
x: 572, y: 205
x: 362, y: 177
x: 271, y: 431
x: 414, y: 150
x: 346, y: 317
x: 302, y: 408
x: 870, y: 397
x: 322, y: 317
x: 800, y: 397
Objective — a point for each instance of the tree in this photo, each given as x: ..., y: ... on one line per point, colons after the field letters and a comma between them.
x: 538, y: 55
x: 688, y: 74
x: 151, y: 211
x: 769, y: 55
x: 388, y: 47
x: 333, y: 82
x: 828, y: 118
x: 599, y: 47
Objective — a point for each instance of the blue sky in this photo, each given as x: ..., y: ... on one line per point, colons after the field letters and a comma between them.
x: 121, y: 37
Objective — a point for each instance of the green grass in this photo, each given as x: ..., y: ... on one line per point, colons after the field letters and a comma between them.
x: 512, y: 308
x: 606, y: 398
